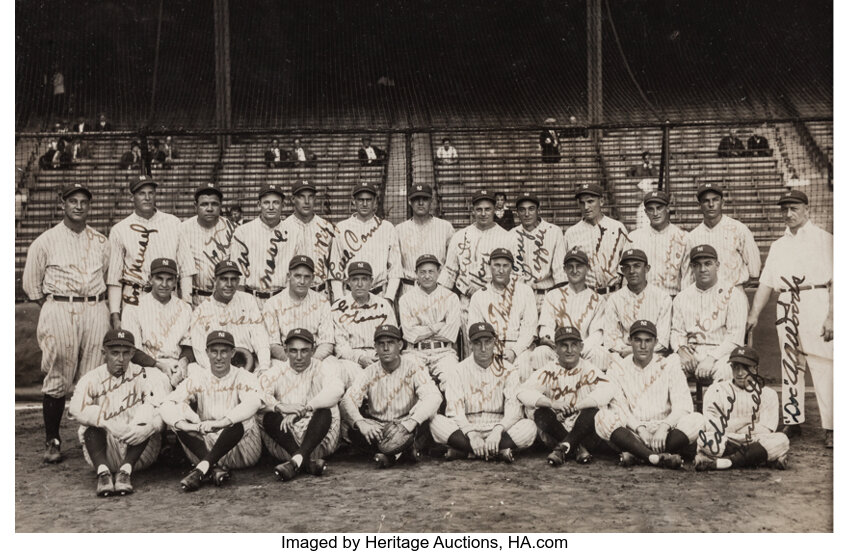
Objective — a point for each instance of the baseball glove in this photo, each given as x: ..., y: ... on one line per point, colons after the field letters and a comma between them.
x: 395, y: 439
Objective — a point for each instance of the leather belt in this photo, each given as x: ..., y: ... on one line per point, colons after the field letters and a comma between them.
x: 262, y: 295
x: 204, y: 293
x: 79, y: 299
x: 608, y: 289
x: 801, y: 288
x: 541, y: 291
x: 432, y: 344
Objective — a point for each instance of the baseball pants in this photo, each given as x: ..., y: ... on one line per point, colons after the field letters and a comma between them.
x: 439, y: 363
x: 327, y: 446
x: 116, y: 451
x: 359, y: 441
x: 522, y: 432
x: 776, y: 445
x: 611, y: 417
x: 721, y: 370
x: 244, y: 455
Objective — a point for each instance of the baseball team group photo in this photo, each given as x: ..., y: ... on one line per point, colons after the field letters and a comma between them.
x: 453, y: 267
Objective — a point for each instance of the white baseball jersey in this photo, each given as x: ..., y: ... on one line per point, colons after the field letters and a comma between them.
x: 282, y: 313
x: 135, y: 242
x: 208, y: 246
x: 667, y: 252
x: 715, y: 319
x: 63, y: 262
x: 603, y: 243
x: 241, y: 317
x: 468, y: 257
x: 408, y: 391
x: 373, y: 241
x: 416, y: 240
x: 436, y: 315
x: 582, y: 310
x: 355, y: 324
x: 624, y: 307
x: 158, y: 328
x: 317, y: 386
x: 540, y: 255
x: 478, y: 398
x: 737, y: 251
x: 313, y: 239
x: 512, y: 312
x: 263, y: 254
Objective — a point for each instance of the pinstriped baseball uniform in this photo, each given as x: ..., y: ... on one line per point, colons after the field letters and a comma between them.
x: 65, y: 263
x: 236, y: 396
x: 158, y: 328
x: 667, y: 252
x: 478, y: 398
x: 647, y: 396
x: 317, y: 386
x: 355, y: 324
x: 130, y: 399
x: 263, y: 253
x: 416, y: 240
x: 604, y: 244
x: 373, y: 241
x: 208, y: 247
x: 282, y: 313
x: 313, y: 239
x: 241, y: 317
x: 468, y: 258
x: 624, y: 307
x: 408, y: 391
x: 736, y: 417
x: 540, y: 256
x: 737, y: 251
x: 135, y: 242
x: 713, y: 321
x: 583, y: 310
x: 428, y: 317
x: 512, y: 312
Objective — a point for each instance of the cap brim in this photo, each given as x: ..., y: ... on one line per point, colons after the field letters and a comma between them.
x: 167, y: 271
x: 477, y: 335
x: 119, y: 343
x: 419, y: 195
x: 703, y: 256
x: 743, y: 360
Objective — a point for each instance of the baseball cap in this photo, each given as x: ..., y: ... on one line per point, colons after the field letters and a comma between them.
x: 480, y: 330
x: 427, y: 258
x: 359, y: 268
x: 527, y: 197
x: 119, y: 337
x: 163, y: 265
x: 744, y: 354
x: 703, y: 250
x: 590, y: 188
x: 390, y: 331
x: 576, y: 254
x: 501, y: 253
x: 220, y: 337
x: 302, y: 261
x: 140, y: 182
x: 420, y: 191
x: 564, y: 333
x: 271, y: 188
x: 633, y: 255
x: 708, y: 187
x: 656, y: 196
x: 76, y: 187
x: 364, y: 187
x: 483, y: 194
x: 226, y: 266
x: 300, y: 185
x: 642, y: 325
x: 793, y: 196
x: 208, y: 188
x: 301, y: 333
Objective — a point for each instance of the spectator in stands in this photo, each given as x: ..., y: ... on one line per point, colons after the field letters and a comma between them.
x: 757, y: 145
x: 275, y: 157
x: 81, y: 125
x: 20, y: 204
x: 730, y: 145
x: 170, y: 150
x: 446, y: 154
x: 504, y: 216
x: 236, y: 215
x: 57, y: 79
x: 301, y: 155
x: 645, y: 169
x: 79, y: 150
x: 103, y: 124
x: 550, y: 143
x: 370, y: 155
x: 133, y: 158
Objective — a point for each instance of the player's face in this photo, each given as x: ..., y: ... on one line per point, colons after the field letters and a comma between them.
x: 527, y: 212
x: 569, y: 352
x: 484, y: 212
x: 76, y: 207
x: 427, y: 275
x: 711, y: 205
x: 144, y: 200
x: 225, y: 286
x: 220, y: 356
x: 741, y: 374
x: 795, y: 215
x: 658, y: 214
x: 421, y: 206
x: 483, y: 350
x: 635, y: 272
x: 643, y: 346
x: 208, y: 208
x: 118, y: 359
x: 360, y: 286
x: 500, y: 270
x: 300, y: 353
x: 300, y: 279
x: 591, y: 207
x: 387, y: 349
x: 576, y: 272
x: 705, y: 271
x: 302, y: 203
x: 365, y: 204
x: 270, y: 208
x: 162, y: 284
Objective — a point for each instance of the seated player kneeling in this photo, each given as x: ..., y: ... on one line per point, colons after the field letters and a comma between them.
x: 650, y: 417
x: 221, y: 427
x: 740, y: 420
x: 483, y: 417
x: 301, y: 418
x: 116, y: 407
x: 400, y: 399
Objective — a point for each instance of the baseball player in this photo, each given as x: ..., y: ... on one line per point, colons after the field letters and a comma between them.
x: 65, y: 274
x: 539, y: 248
x: 301, y: 419
x: 135, y: 241
x: 237, y: 313
x: 560, y: 399
x: 709, y: 319
x: 263, y: 247
x: 161, y: 321
x: 509, y: 306
x: 649, y: 413
x: 483, y: 416
x: 665, y: 244
x: 312, y: 234
x: 574, y: 305
x: 367, y: 238
x: 740, y: 420
x: 116, y: 406
x: 799, y: 267
x: 430, y: 320
x: 221, y: 428
x: 422, y: 234
x: 602, y: 238
x: 739, y: 254
x: 209, y: 237
x: 637, y: 300
x: 394, y: 388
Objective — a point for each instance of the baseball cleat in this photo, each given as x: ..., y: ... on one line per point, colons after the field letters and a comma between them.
x: 670, y: 461
x: 219, y: 474
x: 780, y: 464
x: 793, y: 430
x: 383, y: 461
x: 558, y: 455
x: 583, y: 456
x: 506, y: 455
x: 316, y: 467
x: 52, y: 451
x: 827, y: 440
x: 105, y: 487
x: 453, y: 454
x: 192, y: 481
x: 703, y: 463
x: 627, y: 459
x: 123, y: 484
x: 286, y: 471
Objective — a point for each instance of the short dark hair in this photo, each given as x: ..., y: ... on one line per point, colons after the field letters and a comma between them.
x: 236, y: 208
x: 502, y: 194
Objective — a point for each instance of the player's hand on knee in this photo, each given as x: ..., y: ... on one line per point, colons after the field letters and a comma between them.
x: 186, y: 426
x: 477, y: 443
x: 644, y: 435
x: 365, y: 360
x: 287, y: 423
x: 491, y: 444
x: 371, y: 430
x: 827, y: 331
x: 659, y: 439
x: 291, y: 409
x: 705, y: 369
x: 510, y: 356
